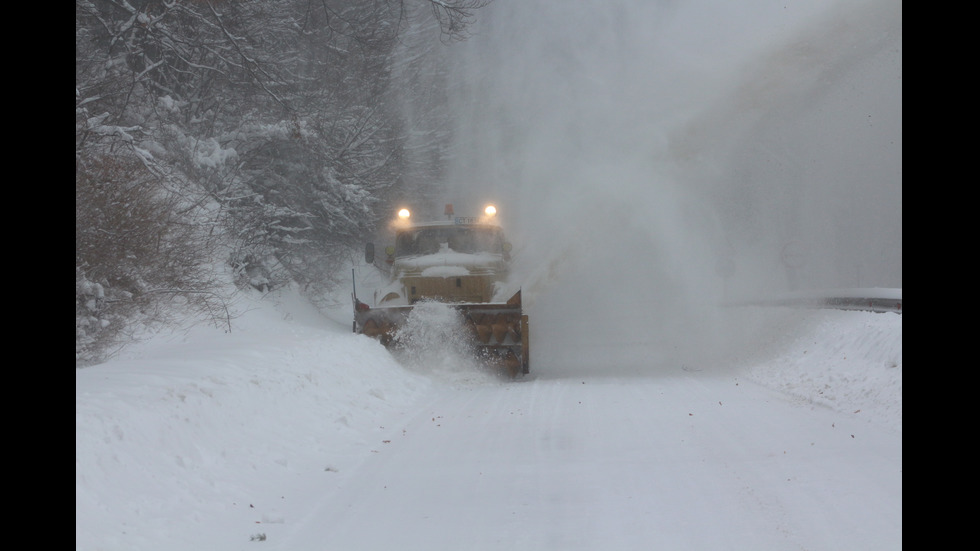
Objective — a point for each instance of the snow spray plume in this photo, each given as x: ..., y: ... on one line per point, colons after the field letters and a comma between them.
x: 435, y: 340
x: 656, y: 157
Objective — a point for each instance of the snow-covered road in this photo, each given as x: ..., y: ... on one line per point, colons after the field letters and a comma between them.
x: 288, y: 435
x: 692, y: 461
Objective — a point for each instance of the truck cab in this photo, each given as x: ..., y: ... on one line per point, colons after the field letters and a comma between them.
x: 456, y: 261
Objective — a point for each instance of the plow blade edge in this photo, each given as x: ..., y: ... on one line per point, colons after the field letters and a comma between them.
x: 498, y: 330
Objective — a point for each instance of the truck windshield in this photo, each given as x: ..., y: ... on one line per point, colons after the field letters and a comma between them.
x: 461, y: 239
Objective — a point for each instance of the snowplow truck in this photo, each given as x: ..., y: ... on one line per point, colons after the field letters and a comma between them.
x: 461, y: 262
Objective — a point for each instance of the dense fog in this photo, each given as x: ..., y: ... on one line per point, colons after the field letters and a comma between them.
x: 655, y: 160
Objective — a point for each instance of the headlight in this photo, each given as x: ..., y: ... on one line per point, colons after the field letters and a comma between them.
x: 404, y: 214
x: 490, y: 210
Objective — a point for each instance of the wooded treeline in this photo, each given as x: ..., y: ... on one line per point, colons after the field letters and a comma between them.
x: 259, y: 141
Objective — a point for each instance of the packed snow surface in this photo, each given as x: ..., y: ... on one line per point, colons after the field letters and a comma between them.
x: 291, y: 433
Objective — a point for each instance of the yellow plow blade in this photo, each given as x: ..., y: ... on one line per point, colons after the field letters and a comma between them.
x: 499, y: 330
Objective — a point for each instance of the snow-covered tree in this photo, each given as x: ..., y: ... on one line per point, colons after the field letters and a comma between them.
x: 273, y: 131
